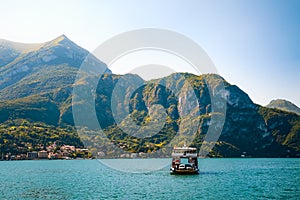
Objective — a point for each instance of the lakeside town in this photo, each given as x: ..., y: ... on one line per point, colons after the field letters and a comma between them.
x: 52, y: 152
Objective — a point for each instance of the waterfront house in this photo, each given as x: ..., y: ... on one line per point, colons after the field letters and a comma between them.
x: 32, y: 155
x: 43, y: 154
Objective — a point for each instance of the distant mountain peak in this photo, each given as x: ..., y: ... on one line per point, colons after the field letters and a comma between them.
x: 63, y: 36
x: 285, y: 105
x: 60, y: 40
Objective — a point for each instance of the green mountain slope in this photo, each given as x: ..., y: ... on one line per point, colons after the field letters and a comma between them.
x: 20, y: 136
x: 285, y: 127
x: 249, y: 128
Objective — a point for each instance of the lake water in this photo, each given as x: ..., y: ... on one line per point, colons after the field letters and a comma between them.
x: 89, y: 179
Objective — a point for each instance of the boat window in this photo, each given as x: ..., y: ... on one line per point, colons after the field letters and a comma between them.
x: 184, y: 161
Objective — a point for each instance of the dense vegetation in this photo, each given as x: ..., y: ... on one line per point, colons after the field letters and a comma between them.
x: 285, y: 127
x: 21, y: 136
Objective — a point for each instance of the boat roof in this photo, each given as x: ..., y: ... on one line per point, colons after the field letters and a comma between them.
x: 185, y: 148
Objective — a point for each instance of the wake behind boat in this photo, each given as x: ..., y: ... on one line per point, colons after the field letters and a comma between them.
x: 184, y: 160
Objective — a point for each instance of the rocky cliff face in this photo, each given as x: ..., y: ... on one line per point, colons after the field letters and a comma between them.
x: 248, y: 129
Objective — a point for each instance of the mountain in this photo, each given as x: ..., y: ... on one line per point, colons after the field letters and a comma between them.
x: 24, y: 64
x: 249, y: 128
x: 42, y: 93
x: 284, y: 105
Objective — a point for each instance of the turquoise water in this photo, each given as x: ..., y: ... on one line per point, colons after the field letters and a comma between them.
x: 89, y: 179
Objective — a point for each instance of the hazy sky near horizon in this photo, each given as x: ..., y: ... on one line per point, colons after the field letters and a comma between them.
x: 254, y: 44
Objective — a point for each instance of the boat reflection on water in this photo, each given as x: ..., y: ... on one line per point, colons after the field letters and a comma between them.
x: 184, y: 160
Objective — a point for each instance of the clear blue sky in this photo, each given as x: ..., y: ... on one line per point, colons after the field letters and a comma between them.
x: 255, y: 44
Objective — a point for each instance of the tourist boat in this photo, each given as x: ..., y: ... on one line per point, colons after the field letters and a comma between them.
x: 184, y: 160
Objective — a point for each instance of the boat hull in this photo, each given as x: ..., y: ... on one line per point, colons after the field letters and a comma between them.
x: 183, y: 172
